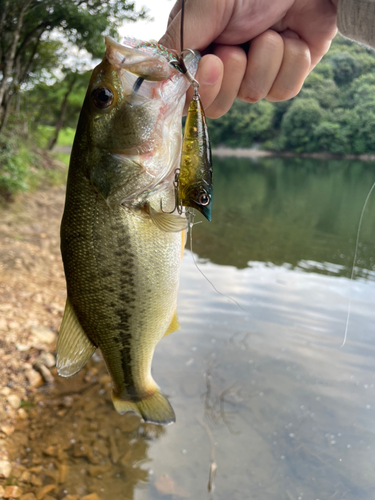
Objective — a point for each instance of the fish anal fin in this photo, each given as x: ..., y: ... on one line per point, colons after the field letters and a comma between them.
x: 74, y: 348
x: 155, y: 408
x: 183, y: 242
x: 169, y: 223
x: 174, y: 325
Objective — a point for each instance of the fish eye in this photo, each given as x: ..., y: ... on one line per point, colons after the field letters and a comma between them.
x: 204, y: 199
x: 102, y: 97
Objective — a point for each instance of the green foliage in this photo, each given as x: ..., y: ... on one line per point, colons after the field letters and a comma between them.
x: 345, y: 68
x: 299, y: 124
x: 14, y: 165
x: 333, y: 113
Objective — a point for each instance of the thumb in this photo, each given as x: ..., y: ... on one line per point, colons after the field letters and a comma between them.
x: 203, y: 23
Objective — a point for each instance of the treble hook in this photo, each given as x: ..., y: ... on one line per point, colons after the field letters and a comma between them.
x: 177, y: 204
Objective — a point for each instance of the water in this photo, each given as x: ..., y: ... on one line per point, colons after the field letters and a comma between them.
x: 266, y: 393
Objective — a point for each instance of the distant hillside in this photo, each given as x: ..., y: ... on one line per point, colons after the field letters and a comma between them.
x: 334, y: 112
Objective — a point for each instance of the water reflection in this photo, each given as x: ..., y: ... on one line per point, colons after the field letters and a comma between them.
x: 266, y: 394
x: 289, y: 210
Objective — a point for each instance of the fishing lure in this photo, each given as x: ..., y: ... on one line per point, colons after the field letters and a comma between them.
x: 195, y: 175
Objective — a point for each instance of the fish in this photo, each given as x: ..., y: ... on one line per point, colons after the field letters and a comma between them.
x: 195, y: 187
x: 121, y: 252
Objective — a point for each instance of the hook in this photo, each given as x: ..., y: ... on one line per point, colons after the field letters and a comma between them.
x: 177, y: 204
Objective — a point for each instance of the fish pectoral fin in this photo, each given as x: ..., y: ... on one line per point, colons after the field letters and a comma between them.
x: 74, y: 348
x: 174, y: 325
x: 155, y: 408
x: 169, y: 223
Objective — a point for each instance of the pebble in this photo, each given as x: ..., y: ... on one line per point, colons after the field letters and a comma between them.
x: 44, y: 491
x: 22, y: 414
x: 92, y: 496
x: 43, y: 334
x: 25, y: 477
x: 48, y: 360
x: 7, y: 429
x: 12, y: 492
x: 28, y: 496
x: 22, y: 347
x: 46, y: 374
x: 35, y: 379
x: 1, y: 491
x: 5, y: 468
x: 14, y: 401
x: 36, y: 481
x: 72, y: 497
x: 5, y: 391
x: 51, y: 451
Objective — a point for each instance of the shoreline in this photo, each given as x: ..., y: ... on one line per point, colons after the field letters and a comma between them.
x: 257, y: 153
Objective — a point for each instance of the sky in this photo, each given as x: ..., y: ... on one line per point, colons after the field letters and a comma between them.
x: 146, y: 30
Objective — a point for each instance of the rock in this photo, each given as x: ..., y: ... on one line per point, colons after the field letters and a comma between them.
x: 28, y: 496
x: 12, y: 492
x: 5, y: 468
x: 25, y: 477
x: 51, y: 451
x: 22, y: 414
x: 47, y: 359
x: 92, y: 496
x: 7, y: 429
x: 44, y: 491
x: 72, y: 497
x: 1, y: 491
x: 22, y: 347
x: 43, y: 334
x: 44, y: 371
x: 99, y: 470
x: 5, y: 391
x: 48, y: 498
x: 35, y: 379
x: 14, y: 401
x: 36, y: 481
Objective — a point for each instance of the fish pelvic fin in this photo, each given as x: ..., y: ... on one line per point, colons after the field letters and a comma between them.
x: 174, y: 325
x: 169, y: 223
x: 155, y: 409
x: 74, y: 348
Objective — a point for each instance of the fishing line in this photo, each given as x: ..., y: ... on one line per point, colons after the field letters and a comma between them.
x: 190, y: 218
x: 354, y: 261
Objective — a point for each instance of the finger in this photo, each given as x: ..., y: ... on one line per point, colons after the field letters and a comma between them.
x: 198, y: 33
x: 234, y: 62
x: 294, y: 69
x: 264, y: 58
x: 209, y: 76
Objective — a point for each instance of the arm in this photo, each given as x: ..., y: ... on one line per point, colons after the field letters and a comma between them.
x: 356, y: 20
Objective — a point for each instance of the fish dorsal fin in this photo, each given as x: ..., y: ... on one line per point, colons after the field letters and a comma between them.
x: 167, y: 222
x: 174, y: 325
x: 74, y: 348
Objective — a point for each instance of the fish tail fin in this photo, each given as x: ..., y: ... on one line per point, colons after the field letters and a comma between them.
x: 155, y: 409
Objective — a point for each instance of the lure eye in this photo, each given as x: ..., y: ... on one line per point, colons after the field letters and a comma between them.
x: 204, y: 199
x: 102, y: 97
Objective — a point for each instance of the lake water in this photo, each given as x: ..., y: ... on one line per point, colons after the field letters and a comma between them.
x: 265, y: 392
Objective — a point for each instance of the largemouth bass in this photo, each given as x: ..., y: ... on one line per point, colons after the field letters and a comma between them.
x: 121, y: 253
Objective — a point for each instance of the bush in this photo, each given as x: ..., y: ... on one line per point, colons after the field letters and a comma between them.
x: 14, y: 167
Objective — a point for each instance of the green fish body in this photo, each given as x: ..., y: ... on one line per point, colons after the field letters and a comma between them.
x: 122, y: 254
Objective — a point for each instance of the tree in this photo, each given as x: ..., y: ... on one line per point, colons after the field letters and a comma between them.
x: 299, y: 123
x: 345, y: 68
x: 26, y: 28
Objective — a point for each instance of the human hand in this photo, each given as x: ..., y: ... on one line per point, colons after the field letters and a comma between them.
x: 287, y: 39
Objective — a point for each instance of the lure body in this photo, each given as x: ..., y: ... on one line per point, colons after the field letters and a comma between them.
x: 195, y: 177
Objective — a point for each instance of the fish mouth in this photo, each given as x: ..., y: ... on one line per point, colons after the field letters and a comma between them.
x: 145, y: 64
